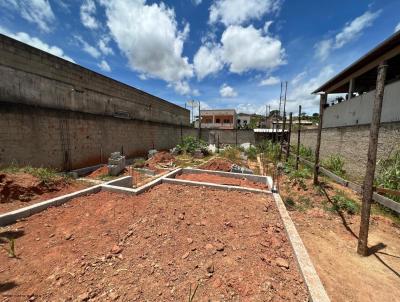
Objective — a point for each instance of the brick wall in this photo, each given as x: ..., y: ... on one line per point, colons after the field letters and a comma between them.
x: 352, y: 143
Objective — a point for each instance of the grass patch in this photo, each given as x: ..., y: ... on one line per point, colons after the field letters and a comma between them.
x: 388, y: 174
x: 46, y: 175
x: 232, y: 153
x: 342, y: 203
x: 335, y: 164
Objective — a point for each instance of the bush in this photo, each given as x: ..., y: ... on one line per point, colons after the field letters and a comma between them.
x: 270, y: 150
x: 306, y: 152
x: 231, y: 153
x: 190, y: 144
x: 335, y: 164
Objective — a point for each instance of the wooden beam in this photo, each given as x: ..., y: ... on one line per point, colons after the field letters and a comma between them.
x: 298, y: 140
x: 289, y: 134
x: 322, y: 103
x: 362, y: 247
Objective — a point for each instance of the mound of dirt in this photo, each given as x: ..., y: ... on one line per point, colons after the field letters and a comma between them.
x: 163, y: 159
x: 217, y: 164
x: 102, y: 171
x: 24, y: 187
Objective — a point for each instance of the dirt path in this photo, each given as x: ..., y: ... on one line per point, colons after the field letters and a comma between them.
x: 331, y: 241
x: 154, y: 247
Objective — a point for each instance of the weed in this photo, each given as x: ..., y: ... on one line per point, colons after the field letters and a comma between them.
x: 290, y: 203
x: 139, y: 163
x: 343, y: 203
x: 304, y: 203
x: 270, y: 150
x: 388, y: 173
x: 46, y: 175
x: 11, y: 247
x: 335, y: 164
x: 190, y: 144
x: 231, y: 153
x: 251, y: 153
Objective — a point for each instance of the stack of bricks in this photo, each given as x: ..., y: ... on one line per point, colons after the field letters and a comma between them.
x: 116, y: 164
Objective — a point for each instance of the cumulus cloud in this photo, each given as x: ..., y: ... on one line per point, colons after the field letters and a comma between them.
x: 196, y: 2
x: 103, y: 65
x: 227, y: 91
x: 250, y: 108
x: 88, y: 12
x: 231, y: 12
x: 208, y: 60
x: 262, y: 52
x: 86, y: 47
x: 104, y: 47
x: 36, y: 42
x: 351, y: 31
x: 148, y: 35
x: 270, y: 81
x: 397, y: 28
x: 38, y: 12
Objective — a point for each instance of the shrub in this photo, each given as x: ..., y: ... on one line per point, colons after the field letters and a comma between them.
x: 231, y: 153
x: 306, y: 152
x: 289, y: 203
x: 270, y: 150
x: 335, y: 164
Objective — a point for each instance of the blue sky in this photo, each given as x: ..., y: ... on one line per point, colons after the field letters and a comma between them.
x: 224, y: 53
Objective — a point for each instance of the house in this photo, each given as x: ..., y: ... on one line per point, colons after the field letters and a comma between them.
x: 218, y: 119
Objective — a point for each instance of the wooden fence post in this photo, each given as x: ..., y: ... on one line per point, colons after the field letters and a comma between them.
x: 282, y: 135
x: 298, y: 140
x: 322, y: 103
x: 289, y: 134
x: 367, y: 189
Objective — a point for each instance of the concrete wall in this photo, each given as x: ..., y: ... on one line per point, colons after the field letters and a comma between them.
x: 358, y: 110
x: 228, y: 136
x: 31, y: 76
x: 352, y: 144
x: 68, y: 140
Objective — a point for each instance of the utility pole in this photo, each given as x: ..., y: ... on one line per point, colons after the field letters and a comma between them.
x: 289, y: 135
x: 367, y: 189
x: 284, y: 123
x: 322, y: 102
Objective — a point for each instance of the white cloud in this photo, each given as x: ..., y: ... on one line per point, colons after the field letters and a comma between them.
x: 104, y: 47
x: 227, y: 91
x: 88, y: 12
x: 231, y: 12
x: 261, y: 52
x: 35, y: 11
x: 36, y: 42
x: 208, y: 60
x: 183, y: 88
x: 103, y: 65
x: 250, y: 108
x: 86, y: 47
x: 270, y: 81
x: 196, y: 2
x: 397, y: 27
x: 349, y: 33
x: 149, y: 37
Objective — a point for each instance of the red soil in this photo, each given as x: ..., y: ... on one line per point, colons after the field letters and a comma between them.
x: 21, y: 190
x: 153, y: 247
x: 217, y: 164
x: 160, y: 158
x: 102, y: 171
x: 223, y: 180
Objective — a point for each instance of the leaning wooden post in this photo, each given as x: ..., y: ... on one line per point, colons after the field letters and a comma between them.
x: 298, y: 140
x: 322, y: 103
x: 362, y: 248
x: 289, y: 134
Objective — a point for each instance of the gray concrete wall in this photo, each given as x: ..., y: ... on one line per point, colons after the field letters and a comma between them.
x: 33, y: 77
x: 352, y: 144
x: 69, y: 140
x: 228, y: 136
x: 358, y: 110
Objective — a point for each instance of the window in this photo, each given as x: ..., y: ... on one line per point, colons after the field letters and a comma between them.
x: 227, y: 121
x: 217, y: 121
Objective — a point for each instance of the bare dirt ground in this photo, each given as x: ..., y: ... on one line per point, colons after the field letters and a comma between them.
x: 21, y: 190
x: 331, y: 239
x: 153, y: 247
x: 223, y: 180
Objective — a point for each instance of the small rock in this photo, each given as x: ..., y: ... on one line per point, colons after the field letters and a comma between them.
x: 190, y: 240
x: 209, y: 246
x: 113, y: 296
x: 116, y: 249
x: 210, y: 268
x: 220, y: 247
x: 282, y: 263
x: 185, y: 255
x: 38, y: 239
x: 181, y: 216
x: 83, y: 297
x: 68, y: 236
x: 51, y: 235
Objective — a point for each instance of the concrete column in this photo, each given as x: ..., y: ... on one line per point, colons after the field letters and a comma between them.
x: 351, y: 88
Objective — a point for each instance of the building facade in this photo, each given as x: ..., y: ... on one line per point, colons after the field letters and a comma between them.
x: 218, y: 119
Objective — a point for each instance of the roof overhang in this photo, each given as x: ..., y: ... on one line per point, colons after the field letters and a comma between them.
x: 383, y: 52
